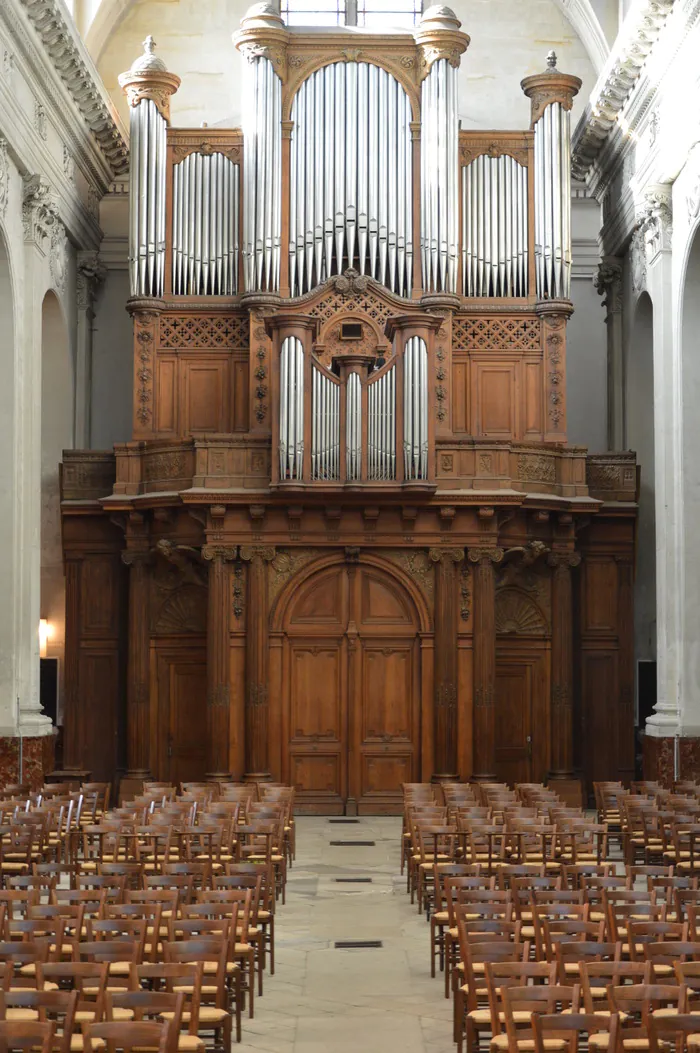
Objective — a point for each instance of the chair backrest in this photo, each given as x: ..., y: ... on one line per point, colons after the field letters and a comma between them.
x: 551, y: 1029
x: 597, y: 976
x: 129, y: 1036
x: 37, y: 1035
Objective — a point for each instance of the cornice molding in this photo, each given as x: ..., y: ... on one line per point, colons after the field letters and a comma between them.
x: 585, y: 21
x: 76, y: 69
x: 616, y: 82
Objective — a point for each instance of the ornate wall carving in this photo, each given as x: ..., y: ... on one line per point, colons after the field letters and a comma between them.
x: 517, y: 613
x: 486, y: 334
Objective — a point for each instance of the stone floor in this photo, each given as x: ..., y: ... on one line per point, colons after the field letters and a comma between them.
x: 323, y: 1000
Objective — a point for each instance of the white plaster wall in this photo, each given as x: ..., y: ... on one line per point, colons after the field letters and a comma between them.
x: 586, y: 349
x: 509, y: 41
x: 112, y: 364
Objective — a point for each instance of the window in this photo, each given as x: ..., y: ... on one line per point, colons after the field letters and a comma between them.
x: 367, y: 14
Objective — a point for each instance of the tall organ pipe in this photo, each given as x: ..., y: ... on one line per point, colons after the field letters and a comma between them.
x: 205, y: 226
x: 147, y: 172
x: 262, y: 132
x: 553, y: 202
x: 325, y: 426
x: 291, y: 433
x: 494, y: 227
x: 353, y: 428
x: 415, y: 409
x: 357, y: 211
x: 439, y: 178
x: 381, y: 426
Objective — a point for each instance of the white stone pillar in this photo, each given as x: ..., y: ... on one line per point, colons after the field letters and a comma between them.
x: 90, y: 275
x: 43, y: 233
x: 656, y: 232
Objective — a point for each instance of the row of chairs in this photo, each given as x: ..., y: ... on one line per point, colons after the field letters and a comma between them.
x: 560, y: 927
x: 124, y: 930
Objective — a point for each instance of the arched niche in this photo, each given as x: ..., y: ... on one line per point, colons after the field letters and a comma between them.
x: 57, y: 394
x: 640, y: 438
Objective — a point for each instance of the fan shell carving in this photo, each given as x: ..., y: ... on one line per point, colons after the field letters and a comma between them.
x: 517, y: 614
x: 183, y: 612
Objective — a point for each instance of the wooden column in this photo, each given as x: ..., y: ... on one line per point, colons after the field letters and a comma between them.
x: 484, y: 660
x: 562, y: 698
x: 137, y: 691
x: 257, y: 703
x: 218, y: 659
x: 71, y: 716
x: 447, y: 561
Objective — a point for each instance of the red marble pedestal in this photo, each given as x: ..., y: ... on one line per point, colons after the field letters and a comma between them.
x: 36, y: 755
x: 658, y: 759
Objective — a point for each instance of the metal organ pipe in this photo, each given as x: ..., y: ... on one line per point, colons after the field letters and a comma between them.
x: 415, y: 409
x: 494, y: 227
x: 553, y: 202
x: 353, y: 428
x: 205, y: 226
x: 262, y: 131
x: 291, y: 438
x: 381, y: 426
x: 325, y: 426
x: 147, y: 196
x: 358, y: 212
x: 439, y: 178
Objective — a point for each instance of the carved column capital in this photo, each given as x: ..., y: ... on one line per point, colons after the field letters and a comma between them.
x: 223, y: 553
x: 90, y: 275
x: 485, y: 555
x: 564, y: 559
x: 257, y: 553
x: 446, y: 555
x: 656, y: 220
x: 608, y: 283
x: 148, y: 78
x: 39, y: 210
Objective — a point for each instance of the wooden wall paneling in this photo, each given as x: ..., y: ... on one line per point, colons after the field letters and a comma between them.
x: 484, y: 659
x: 138, y: 682
x: 447, y: 562
x: 600, y: 689
x: 239, y: 372
x: 218, y: 702
x: 204, y: 393
x: 72, y: 714
x: 460, y: 394
x: 237, y: 712
x: 531, y: 394
x: 166, y: 402
x: 101, y: 684
x: 522, y: 709
x: 626, y: 744
x: 182, y: 698
x: 318, y: 720
x: 562, y: 724
x: 276, y: 646
x: 494, y: 399
x: 465, y: 708
x: 427, y: 703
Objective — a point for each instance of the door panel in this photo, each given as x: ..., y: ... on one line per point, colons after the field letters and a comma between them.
x: 388, y: 706
x: 182, y: 701
x: 513, y: 721
x: 317, y: 718
x: 522, y: 711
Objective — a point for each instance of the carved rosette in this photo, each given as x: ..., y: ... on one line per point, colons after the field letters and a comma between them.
x: 554, y: 315
x: 149, y: 78
x: 145, y: 314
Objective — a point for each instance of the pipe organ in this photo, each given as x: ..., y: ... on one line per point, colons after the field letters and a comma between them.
x: 348, y: 527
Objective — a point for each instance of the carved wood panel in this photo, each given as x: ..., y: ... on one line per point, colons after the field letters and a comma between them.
x: 522, y: 712
x: 179, y: 747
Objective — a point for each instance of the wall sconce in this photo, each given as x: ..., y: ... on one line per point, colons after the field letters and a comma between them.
x: 45, y: 634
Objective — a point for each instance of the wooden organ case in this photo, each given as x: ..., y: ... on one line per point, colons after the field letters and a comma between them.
x: 348, y: 545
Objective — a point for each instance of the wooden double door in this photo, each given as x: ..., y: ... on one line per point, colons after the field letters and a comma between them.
x: 350, y: 700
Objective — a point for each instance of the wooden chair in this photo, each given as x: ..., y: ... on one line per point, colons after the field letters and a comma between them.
x: 597, y: 976
x: 58, y: 1007
x: 214, y: 1012
x: 36, y: 1036
x: 665, y: 1033
x: 556, y: 1028
x: 129, y: 1036
x: 521, y: 1005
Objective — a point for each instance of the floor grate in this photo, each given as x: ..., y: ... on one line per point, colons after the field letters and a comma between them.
x: 354, y: 880
x: 361, y: 844
x: 343, y: 820
x: 345, y: 945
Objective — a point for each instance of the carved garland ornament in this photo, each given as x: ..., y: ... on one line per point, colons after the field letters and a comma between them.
x: 145, y: 326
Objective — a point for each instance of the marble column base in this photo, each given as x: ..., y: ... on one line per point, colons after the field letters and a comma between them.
x: 38, y: 759
x: 658, y: 759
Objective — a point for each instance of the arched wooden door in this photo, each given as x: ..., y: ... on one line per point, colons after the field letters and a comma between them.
x: 351, y: 691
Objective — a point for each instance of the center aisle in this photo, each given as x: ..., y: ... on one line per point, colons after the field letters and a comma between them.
x: 322, y: 999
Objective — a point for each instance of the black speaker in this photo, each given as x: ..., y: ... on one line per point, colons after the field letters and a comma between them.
x: 48, y: 687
